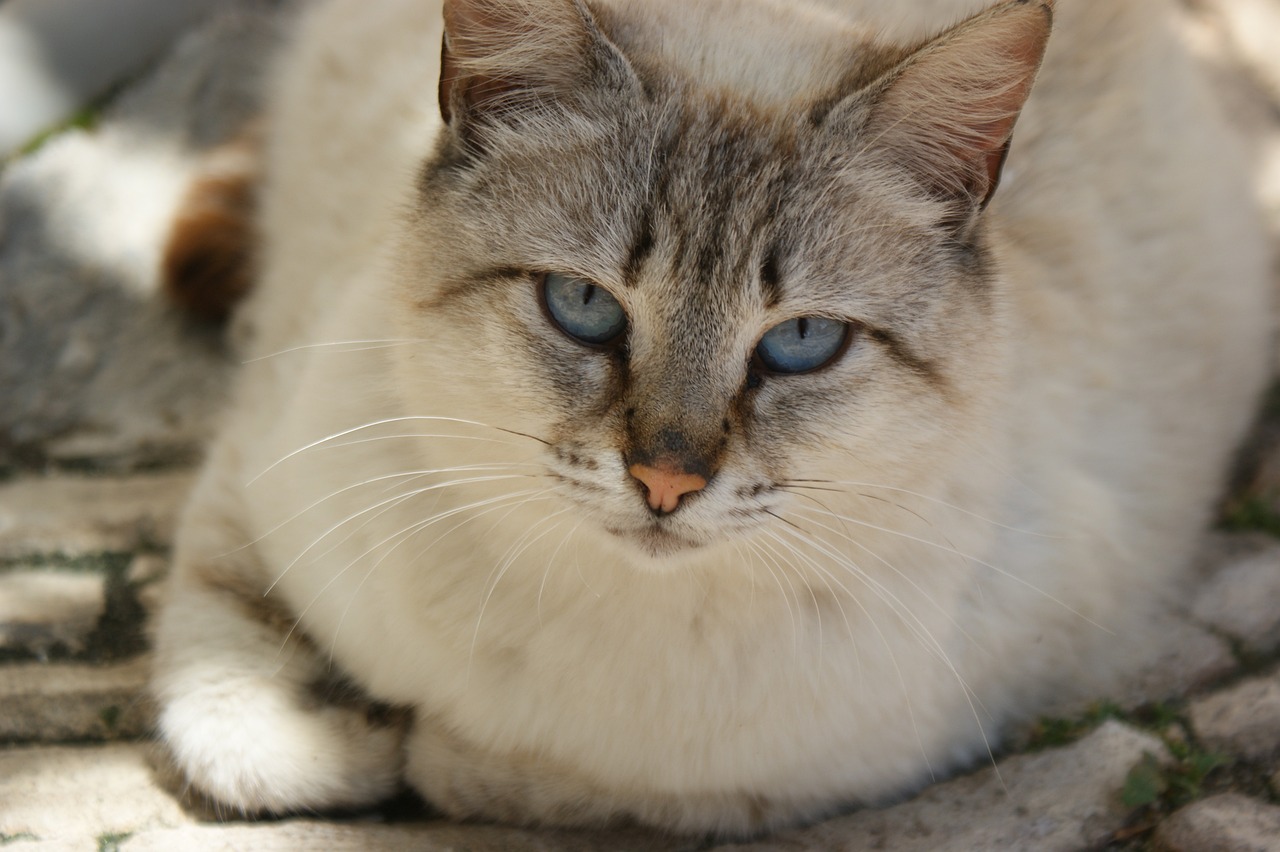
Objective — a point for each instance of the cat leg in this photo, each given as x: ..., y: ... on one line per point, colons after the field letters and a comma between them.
x: 466, y: 783
x: 519, y: 788
x: 240, y: 719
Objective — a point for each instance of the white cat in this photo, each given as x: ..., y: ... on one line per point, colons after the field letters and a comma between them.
x: 688, y: 439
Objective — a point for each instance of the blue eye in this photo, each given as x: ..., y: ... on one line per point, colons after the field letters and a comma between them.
x: 802, y: 344
x: 584, y: 311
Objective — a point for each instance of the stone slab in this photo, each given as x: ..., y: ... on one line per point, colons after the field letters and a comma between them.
x: 49, y: 702
x: 1254, y: 27
x: 1064, y: 799
x: 1243, y: 600
x: 1189, y: 659
x: 64, y: 844
x: 1243, y: 720
x: 41, y: 609
x: 72, y: 516
x: 427, y: 837
x: 71, y: 793
x: 1226, y: 823
x: 95, y: 366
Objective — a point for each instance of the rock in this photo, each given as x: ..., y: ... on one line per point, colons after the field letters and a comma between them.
x: 1243, y: 600
x: 94, y: 365
x: 72, y: 793
x: 1190, y: 658
x: 1243, y: 720
x: 144, y: 575
x: 1226, y: 823
x: 41, y: 610
x: 1063, y: 799
x: 49, y: 702
x: 73, y: 516
x: 1254, y: 28
x: 427, y: 837
x: 146, y: 568
x: 65, y: 844
x: 59, y: 54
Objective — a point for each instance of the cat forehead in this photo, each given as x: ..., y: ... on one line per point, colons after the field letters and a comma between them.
x: 765, y: 50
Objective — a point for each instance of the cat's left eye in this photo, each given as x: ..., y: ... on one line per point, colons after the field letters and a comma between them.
x: 585, y: 311
x: 802, y: 344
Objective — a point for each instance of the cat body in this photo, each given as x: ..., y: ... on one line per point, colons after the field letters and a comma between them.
x: 974, y: 508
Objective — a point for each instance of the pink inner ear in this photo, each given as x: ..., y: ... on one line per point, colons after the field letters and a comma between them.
x: 950, y: 113
x: 474, y: 29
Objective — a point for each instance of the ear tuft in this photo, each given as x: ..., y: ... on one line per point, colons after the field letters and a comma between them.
x: 503, y: 56
x: 947, y: 112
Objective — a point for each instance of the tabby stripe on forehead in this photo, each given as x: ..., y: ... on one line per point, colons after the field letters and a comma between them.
x: 464, y: 286
x: 771, y: 278
x: 658, y: 176
x: 902, y: 353
x: 641, y: 247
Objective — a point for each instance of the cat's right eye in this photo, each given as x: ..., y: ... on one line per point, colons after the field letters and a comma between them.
x: 802, y: 345
x: 584, y: 311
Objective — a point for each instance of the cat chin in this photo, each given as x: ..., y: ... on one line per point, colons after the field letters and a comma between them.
x: 658, y: 548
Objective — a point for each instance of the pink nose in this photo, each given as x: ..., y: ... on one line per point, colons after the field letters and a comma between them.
x: 665, y: 486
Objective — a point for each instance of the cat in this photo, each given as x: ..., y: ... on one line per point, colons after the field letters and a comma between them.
x: 682, y: 410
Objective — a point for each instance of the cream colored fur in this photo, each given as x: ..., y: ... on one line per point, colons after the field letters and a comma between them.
x: 971, y: 561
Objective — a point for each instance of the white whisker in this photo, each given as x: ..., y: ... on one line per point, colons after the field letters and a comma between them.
x: 388, y: 502
x: 384, y: 422
x: 362, y: 346
x: 975, y: 560
x: 521, y: 544
x: 808, y: 484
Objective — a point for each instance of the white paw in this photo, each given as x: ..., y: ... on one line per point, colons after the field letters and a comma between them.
x: 254, y: 749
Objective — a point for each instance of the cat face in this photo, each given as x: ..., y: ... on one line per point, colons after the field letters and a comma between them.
x: 696, y: 301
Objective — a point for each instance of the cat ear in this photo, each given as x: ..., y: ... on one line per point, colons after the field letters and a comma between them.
x: 502, y: 57
x: 947, y: 111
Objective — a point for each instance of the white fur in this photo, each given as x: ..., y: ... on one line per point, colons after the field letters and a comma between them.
x: 562, y: 675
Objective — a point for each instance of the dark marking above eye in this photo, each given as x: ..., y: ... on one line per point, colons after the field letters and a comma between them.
x: 900, y: 352
x: 771, y: 279
x: 641, y: 248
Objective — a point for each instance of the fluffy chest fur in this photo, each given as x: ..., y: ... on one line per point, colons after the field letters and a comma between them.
x: 544, y: 439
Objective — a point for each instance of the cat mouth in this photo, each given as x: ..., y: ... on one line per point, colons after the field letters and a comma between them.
x: 655, y: 541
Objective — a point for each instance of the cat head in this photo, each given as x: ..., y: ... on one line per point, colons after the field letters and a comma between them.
x: 702, y: 270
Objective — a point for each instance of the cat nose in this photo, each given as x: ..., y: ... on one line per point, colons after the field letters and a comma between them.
x: 666, y: 485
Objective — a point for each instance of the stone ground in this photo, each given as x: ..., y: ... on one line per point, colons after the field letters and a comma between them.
x: 107, y: 397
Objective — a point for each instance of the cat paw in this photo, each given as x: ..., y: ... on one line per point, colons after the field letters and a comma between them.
x: 269, y: 756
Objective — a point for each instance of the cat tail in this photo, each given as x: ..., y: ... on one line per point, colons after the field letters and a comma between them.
x: 209, y: 259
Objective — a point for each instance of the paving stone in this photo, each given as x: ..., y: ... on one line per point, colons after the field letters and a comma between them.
x: 1254, y: 27
x: 426, y: 837
x: 49, y: 702
x: 64, y: 844
x: 1242, y: 720
x: 146, y: 570
x: 66, y: 792
x: 1226, y: 823
x: 94, y: 365
x: 1243, y: 600
x: 41, y: 610
x: 73, y: 516
x: 1189, y: 659
x: 1064, y: 799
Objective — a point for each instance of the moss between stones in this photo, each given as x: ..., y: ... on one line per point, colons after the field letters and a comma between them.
x: 111, y: 842
x: 1252, y: 513
x: 119, y: 633
x: 1155, y: 787
x: 85, y: 119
